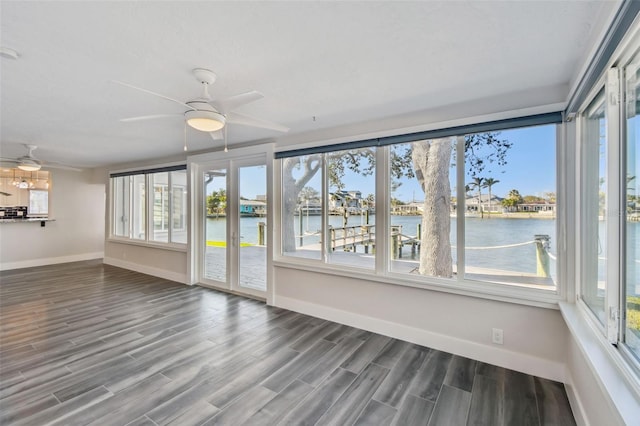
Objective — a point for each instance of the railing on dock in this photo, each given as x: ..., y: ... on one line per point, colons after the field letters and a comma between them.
x: 348, y: 238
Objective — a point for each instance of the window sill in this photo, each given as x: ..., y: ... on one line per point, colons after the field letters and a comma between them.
x: 478, y: 289
x: 150, y: 244
x: 615, y: 377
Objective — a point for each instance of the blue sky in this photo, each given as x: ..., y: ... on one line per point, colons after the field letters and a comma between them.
x: 530, y: 169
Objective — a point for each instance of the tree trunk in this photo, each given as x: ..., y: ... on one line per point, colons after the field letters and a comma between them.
x: 290, y: 190
x: 289, y: 204
x: 431, y: 160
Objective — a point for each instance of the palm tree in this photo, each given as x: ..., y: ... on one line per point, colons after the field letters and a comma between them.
x: 489, y: 182
x: 478, y: 182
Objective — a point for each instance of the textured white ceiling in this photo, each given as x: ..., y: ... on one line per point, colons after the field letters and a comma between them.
x: 341, y: 62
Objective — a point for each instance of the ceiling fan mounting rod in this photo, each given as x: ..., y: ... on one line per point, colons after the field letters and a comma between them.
x: 206, y: 77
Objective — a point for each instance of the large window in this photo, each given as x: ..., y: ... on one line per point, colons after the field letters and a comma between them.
x: 610, y: 210
x: 457, y: 210
x: 157, y: 215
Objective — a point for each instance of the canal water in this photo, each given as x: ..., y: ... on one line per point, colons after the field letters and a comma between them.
x: 480, y: 233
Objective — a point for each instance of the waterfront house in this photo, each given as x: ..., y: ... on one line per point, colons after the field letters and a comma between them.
x: 121, y: 308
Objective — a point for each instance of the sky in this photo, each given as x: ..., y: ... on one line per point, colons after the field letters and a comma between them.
x: 530, y: 169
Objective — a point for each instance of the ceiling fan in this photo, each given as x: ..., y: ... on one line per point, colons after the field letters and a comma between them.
x: 210, y: 115
x: 30, y: 163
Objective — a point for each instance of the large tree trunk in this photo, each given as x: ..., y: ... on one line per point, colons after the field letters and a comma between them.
x: 291, y: 188
x: 431, y: 160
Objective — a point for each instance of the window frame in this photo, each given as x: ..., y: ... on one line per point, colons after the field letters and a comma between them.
x: 381, y: 273
x: 611, y: 333
x: 148, y: 203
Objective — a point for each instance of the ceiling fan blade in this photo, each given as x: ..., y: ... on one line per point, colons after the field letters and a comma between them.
x: 149, y: 117
x: 229, y: 104
x: 9, y: 160
x: 235, y: 118
x: 217, y: 135
x: 154, y: 94
x: 60, y: 167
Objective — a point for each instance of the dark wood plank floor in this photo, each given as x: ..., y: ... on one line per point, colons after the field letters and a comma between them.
x: 86, y: 343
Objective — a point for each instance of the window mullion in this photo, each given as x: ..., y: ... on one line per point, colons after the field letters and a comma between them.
x: 612, y: 201
x: 149, y: 195
x: 461, y: 207
x: 170, y: 202
x: 326, y: 237
x: 382, y: 212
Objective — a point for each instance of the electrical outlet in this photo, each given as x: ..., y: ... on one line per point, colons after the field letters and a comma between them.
x: 497, y: 336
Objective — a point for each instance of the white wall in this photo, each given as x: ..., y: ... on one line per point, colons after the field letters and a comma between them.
x: 534, y: 338
x: 161, y: 262
x: 77, y: 204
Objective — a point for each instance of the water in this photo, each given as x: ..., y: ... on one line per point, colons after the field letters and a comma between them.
x: 479, y: 233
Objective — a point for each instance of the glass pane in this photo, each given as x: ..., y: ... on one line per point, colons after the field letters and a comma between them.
x: 38, y: 202
x: 121, y: 199
x: 510, y: 216
x: 632, y: 225
x: 215, y: 262
x: 594, y: 143
x: 160, y: 184
x: 253, y: 227
x: 179, y: 206
x: 351, y: 207
x: 139, y: 208
x: 423, y: 224
x: 302, y: 206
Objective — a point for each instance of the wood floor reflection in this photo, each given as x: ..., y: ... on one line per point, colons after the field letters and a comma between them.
x: 87, y: 343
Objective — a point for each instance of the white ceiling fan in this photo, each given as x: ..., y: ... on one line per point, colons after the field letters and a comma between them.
x: 210, y: 115
x: 30, y: 163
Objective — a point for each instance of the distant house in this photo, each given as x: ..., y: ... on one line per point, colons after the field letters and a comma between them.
x: 477, y: 204
x: 539, y: 206
x: 350, y: 201
x: 253, y: 208
x: 411, y: 209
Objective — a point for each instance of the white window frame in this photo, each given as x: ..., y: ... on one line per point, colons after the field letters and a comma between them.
x: 381, y: 273
x: 611, y: 334
x: 149, y: 214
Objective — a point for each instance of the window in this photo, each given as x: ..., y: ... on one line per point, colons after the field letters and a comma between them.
x: 610, y: 210
x: 421, y: 207
x: 351, y: 207
x: 302, y: 206
x: 510, y: 207
x: 458, y: 209
x: 594, y: 193
x: 38, y: 202
x: 631, y: 189
x: 165, y: 222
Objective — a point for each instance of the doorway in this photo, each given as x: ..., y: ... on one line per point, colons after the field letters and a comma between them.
x: 233, y: 241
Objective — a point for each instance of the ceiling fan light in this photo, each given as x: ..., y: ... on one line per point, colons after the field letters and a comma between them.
x: 205, y: 121
x: 29, y: 166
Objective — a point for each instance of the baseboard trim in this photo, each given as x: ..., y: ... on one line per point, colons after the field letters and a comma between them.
x: 576, y: 403
x: 148, y: 270
x: 50, y: 261
x: 501, y: 357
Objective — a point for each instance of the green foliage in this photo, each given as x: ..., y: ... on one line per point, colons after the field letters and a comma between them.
x: 633, y: 320
x: 481, y: 150
x: 530, y: 199
x: 217, y: 202
x: 308, y: 193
